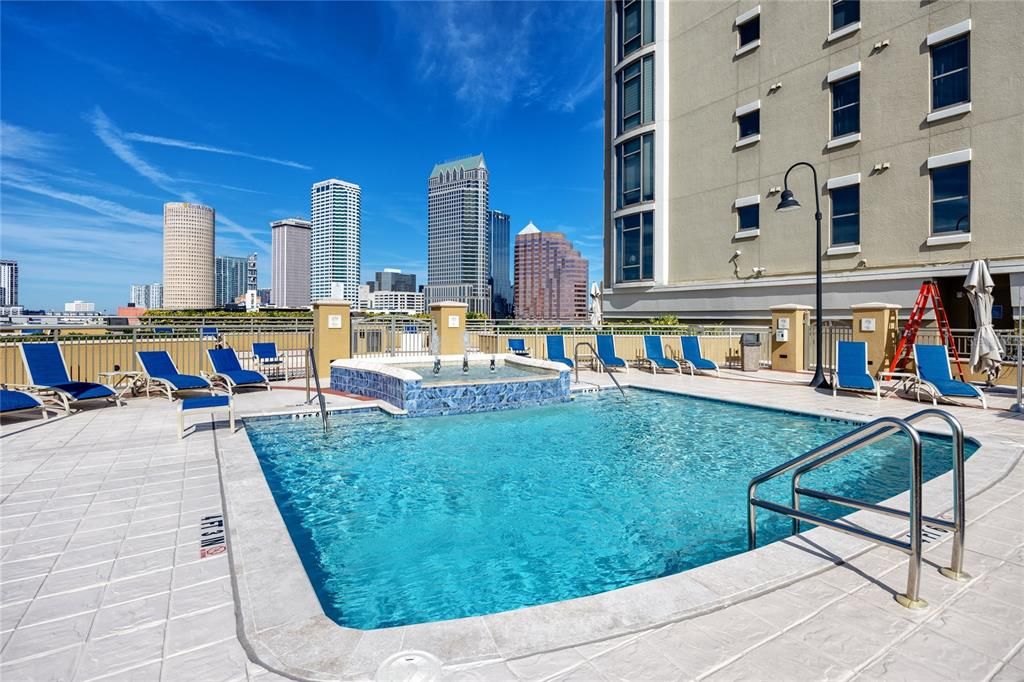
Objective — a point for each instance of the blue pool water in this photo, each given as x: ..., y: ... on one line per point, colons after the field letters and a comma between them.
x: 402, y: 521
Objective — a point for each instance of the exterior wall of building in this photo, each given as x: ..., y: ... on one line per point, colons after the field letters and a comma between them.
x: 289, y: 280
x: 251, y: 273
x: 8, y: 283
x: 393, y: 280
x: 457, y: 258
x: 188, y: 256
x: 335, y: 240
x: 229, y: 278
x: 706, y: 267
x: 498, y: 231
x: 150, y: 296
x: 551, y: 278
x: 409, y: 302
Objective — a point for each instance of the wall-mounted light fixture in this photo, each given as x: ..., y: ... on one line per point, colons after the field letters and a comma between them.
x: 881, y: 167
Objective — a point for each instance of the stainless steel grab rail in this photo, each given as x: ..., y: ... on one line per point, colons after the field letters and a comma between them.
x: 958, y: 525
x: 843, y: 445
x: 319, y: 393
x: 593, y: 351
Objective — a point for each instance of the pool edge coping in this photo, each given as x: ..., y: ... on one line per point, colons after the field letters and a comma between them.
x: 292, y: 635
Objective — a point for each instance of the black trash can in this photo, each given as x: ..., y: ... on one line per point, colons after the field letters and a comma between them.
x: 750, y: 351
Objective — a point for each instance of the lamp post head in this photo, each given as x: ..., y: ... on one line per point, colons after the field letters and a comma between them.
x: 787, y: 202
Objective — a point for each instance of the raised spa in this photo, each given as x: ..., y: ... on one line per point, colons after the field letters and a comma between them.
x: 403, y: 521
x: 458, y: 387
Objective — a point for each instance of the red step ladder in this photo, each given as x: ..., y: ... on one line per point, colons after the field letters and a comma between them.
x: 905, y: 348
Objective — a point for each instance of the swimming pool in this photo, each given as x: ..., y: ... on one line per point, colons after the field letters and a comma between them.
x: 417, y: 520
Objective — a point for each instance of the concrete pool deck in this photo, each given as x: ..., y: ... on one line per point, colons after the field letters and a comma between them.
x: 102, y: 514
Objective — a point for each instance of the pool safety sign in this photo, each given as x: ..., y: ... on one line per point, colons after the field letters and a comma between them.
x: 211, y: 536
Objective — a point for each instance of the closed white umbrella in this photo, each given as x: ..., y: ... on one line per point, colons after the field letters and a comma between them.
x: 595, y: 305
x: 986, y: 351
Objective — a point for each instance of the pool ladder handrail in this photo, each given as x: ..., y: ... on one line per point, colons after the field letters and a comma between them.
x: 593, y: 354
x: 319, y: 393
x: 852, y: 441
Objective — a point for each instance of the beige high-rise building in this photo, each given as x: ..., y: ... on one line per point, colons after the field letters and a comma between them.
x: 188, y: 256
x: 911, y: 112
x: 550, y: 277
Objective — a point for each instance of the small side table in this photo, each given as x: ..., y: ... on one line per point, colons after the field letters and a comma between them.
x: 122, y: 381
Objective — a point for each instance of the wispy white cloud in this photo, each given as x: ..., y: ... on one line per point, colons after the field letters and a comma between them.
x: 113, y: 138
x: 581, y: 91
x: 199, y: 147
x: 21, y: 143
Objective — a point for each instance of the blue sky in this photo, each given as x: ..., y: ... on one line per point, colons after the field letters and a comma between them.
x: 109, y: 110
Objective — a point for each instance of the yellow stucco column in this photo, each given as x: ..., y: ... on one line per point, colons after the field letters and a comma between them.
x: 877, y: 324
x: 789, y: 324
x: 332, y: 333
x: 450, y: 323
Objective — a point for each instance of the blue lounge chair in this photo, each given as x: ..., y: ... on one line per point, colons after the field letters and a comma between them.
x: 159, y: 371
x: 163, y: 330
x: 210, y: 333
x: 518, y: 347
x: 227, y: 371
x: 851, y: 373
x: 606, y: 352
x: 656, y: 355
x: 17, y: 402
x: 267, y: 356
x: 556, y: 350
x: 932, y: 363
x: 694, y: 358
x: 47, y: 374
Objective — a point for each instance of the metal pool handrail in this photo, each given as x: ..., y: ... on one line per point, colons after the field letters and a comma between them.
x: 958, y: 525
x: 838, y: 447
x: 593, y: 351
x: 319, y: 393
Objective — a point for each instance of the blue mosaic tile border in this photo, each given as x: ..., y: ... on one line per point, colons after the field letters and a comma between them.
x: 430, y: 400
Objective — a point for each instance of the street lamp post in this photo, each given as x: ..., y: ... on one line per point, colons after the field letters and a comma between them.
x: 787, y: 202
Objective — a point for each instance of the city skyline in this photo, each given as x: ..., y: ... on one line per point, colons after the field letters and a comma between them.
x: 140, y: 127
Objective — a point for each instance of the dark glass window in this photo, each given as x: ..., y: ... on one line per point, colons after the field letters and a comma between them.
x: 846, y: 106
x: 636, y: 170
x: 844, y: 13
x: 846, y: 215
x: 951, y: 73
x: 750, y: 124
x: 634, y: 238
x: 750, y: 30
x: 951, y: 199
x: 749, y: 216
x: 636, y: 25
x: 636, y: 94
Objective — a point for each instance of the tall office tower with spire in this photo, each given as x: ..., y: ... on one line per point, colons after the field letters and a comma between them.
x: 188, y: 255
x: 457, y: 202
x: 334, y: 243
x: 498, y: 262
x: 551, y: 277
x: 289, y: 275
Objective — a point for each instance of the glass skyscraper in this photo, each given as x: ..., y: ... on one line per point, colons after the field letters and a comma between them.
x: 498, y: 264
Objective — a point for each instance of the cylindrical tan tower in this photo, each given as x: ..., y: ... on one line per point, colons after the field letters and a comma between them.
x: 188, y: 255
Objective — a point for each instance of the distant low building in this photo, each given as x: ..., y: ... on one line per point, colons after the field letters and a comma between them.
x: 551, y: 277
x: 407, y: 302
x: 147, y: 295
x: 77, y: 306
x: 131, y: 313
x: 391, y: 279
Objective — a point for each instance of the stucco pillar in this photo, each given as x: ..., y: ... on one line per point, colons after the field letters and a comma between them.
x: 789, y: 328
x: 450, y: 323
x: 878, y: 325
x: 332, y: 333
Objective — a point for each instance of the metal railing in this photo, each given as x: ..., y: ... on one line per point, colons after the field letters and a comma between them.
x: 848, y: 443
x: 833, y: 332
x: 391, y: 336
x: 595, y: 356
x: 90, y: 350
x: 316, y: 380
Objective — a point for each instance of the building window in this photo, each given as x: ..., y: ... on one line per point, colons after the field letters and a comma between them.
x: 636, y: 25
x: 845, y: 215
x: 636, y: 94
x: 749, y: 29
x: 749, y: 123
x: 844, y: 13
x: 749, y: 217
x: 951, y: 72
x: 636, y: 170
x: 846, y: 106
x: 951, y: 199
x: 634, y: 239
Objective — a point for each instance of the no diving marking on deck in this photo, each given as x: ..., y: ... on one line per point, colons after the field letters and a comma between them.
x: 211, y: 536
